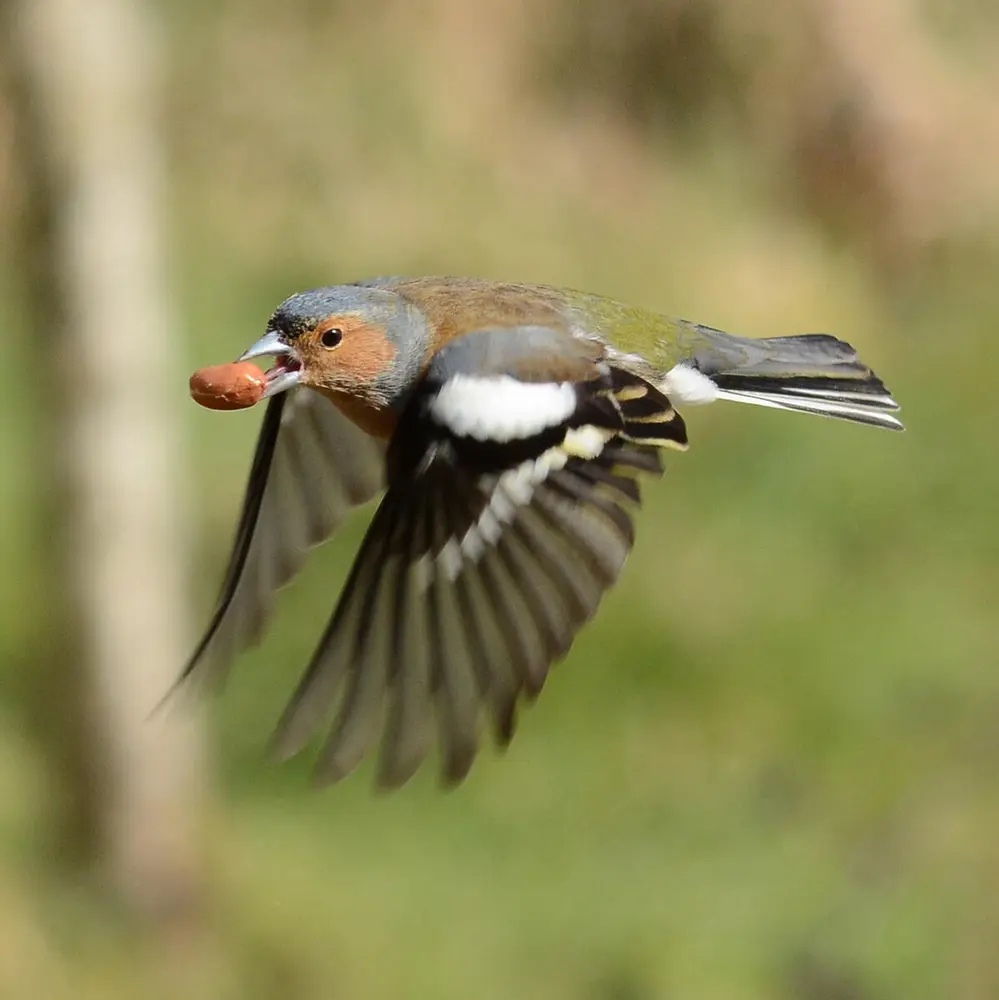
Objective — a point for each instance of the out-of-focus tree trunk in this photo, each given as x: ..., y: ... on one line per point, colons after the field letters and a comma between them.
x: 104, y: 354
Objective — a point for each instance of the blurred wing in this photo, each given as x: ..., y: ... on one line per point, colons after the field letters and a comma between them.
x: 465, y: 591
x: 508, y: 517
x: 311, y: 467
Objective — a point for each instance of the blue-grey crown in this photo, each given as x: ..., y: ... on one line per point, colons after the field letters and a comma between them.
x: 303, y: 311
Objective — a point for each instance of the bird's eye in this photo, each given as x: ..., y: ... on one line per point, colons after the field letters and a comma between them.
x: 332, y: 337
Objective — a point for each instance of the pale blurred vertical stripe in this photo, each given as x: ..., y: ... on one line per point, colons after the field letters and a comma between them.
x: 93, y: 79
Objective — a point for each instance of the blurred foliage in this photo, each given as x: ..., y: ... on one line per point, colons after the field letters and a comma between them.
x: 858, y: 113
x: 768, y: 768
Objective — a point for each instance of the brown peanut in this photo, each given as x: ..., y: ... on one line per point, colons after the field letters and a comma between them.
x: 234, y: 386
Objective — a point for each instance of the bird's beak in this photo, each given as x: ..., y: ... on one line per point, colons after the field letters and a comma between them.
x: 287, y: 373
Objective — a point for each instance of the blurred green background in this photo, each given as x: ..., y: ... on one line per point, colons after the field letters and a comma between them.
x: 770, y: 767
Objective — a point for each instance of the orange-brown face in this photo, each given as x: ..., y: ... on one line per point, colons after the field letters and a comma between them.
x: 359, y: 345
x: 344, y: 354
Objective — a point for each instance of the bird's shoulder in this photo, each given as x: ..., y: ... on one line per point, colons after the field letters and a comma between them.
x: 525, y: 352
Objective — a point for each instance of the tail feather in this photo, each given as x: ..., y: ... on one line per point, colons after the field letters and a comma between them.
x: 811, y: 373
x: 864, y: 402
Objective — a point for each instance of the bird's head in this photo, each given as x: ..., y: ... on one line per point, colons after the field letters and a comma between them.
x: 362, y: 342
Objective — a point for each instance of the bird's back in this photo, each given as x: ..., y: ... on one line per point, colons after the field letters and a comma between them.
x: 455, y: 306
x: 813, y: 373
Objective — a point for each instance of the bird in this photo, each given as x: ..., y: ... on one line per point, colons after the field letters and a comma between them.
x: 506, y: 428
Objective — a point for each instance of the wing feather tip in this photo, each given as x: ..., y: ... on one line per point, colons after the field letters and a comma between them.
x: 505, y: 722
x: 289, y: 739
x: 392, y: 778
x: 456, y: 767
x: 332, y: 768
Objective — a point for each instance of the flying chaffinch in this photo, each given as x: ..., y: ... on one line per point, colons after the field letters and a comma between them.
x: 508, y: 425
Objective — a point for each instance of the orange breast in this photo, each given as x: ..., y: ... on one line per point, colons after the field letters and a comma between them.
x: 379, y: 422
